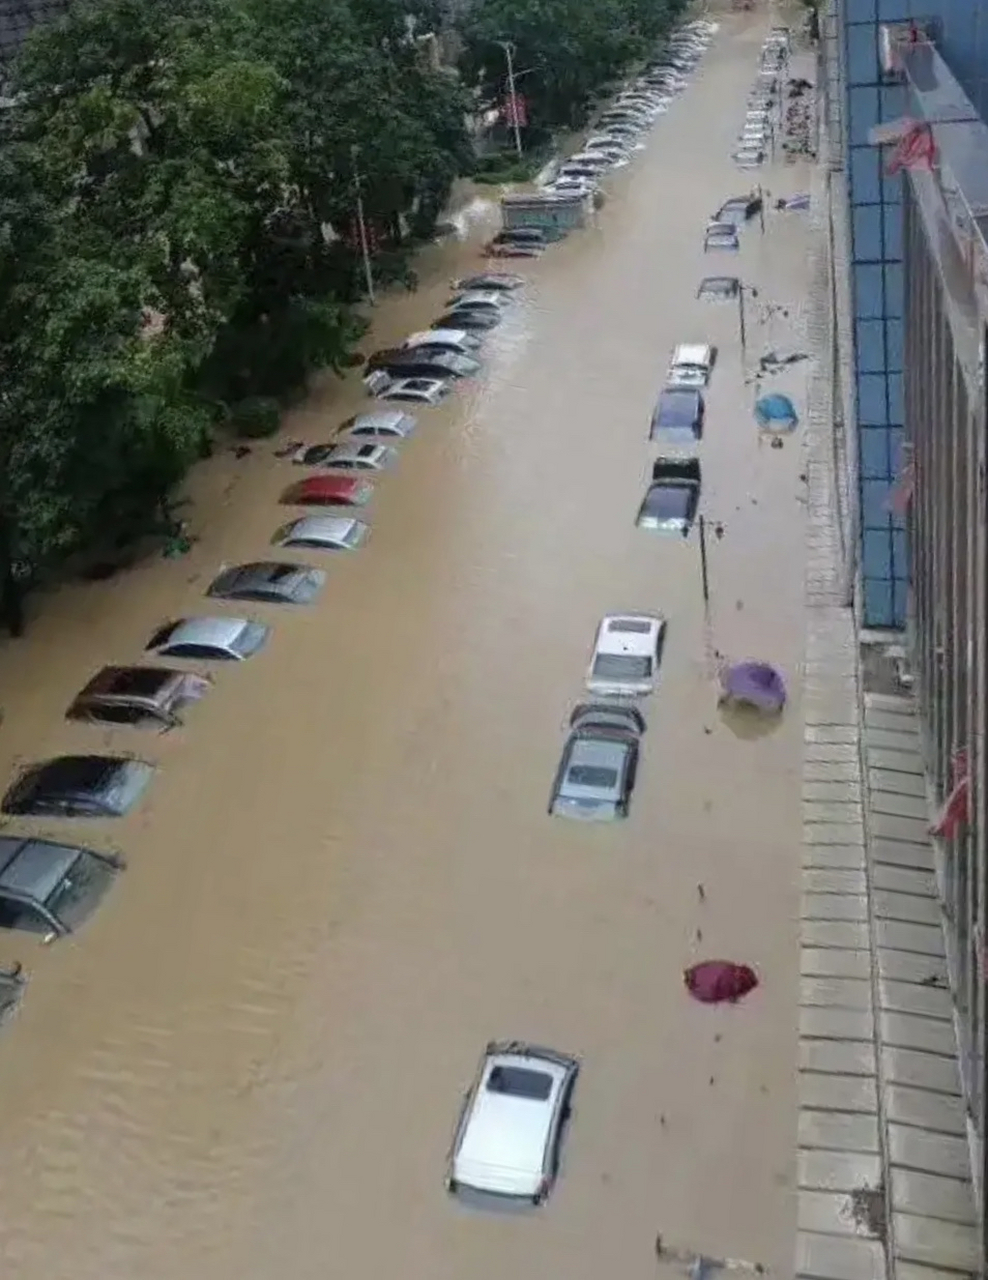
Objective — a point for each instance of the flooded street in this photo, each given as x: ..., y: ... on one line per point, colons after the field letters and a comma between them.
x: 344, y: 880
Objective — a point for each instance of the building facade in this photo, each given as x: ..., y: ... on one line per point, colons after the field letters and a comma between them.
x: 917, y: 231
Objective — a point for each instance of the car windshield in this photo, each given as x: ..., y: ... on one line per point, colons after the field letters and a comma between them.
x: 595, y: 776
x: 676, y: 411
x: 520, y: 1082
x: 622, y: 666
x: 670, y: 501
x: 80, y: 890
x: 250, y: 639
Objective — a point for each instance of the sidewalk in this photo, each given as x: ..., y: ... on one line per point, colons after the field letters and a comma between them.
x: 883, y: 1164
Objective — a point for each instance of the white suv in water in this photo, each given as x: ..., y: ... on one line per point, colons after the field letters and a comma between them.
x: 510, y: 1131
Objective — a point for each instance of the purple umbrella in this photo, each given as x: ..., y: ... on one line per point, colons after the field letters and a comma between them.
x: 754, y: 683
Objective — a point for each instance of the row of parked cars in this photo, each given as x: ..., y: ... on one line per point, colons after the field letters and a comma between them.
x: 509, y: 1137
x: 619, y: 128
x: 50, y: 887
x: 757, y: 132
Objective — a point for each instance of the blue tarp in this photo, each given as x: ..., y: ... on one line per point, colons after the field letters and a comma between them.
x: 776, y: 413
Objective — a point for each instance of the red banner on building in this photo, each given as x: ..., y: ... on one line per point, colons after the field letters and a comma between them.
x: 515, y: 111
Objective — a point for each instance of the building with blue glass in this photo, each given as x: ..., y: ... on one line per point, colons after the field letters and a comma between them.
x: 914, y: 368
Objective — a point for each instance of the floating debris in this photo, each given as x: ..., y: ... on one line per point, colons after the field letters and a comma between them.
x: 776, y: 413
x: 701, y: 1266
x: 755, y: 684
x: 719, y: 981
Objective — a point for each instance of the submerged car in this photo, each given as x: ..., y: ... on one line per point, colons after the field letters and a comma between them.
x: 12, y: 985
x: 210, y: 639
x: 677, y: 420
x: 79, y: 787
x: 478, y: 298
x: 510, y: 249
x: 51, y: 888
x: 719, y: 288
x: 458, y: 340
x: 388, y: 424
x: 471, y: 318
x: 423, y: 362
x: 268, y: 582
x: 508, y: 1140
x: 626, y: 655
x: 356, y: 456
x: 412, y: 390
x: 739, y: 209
x: 720, y: 235
x: 323, y: 533
x: 490, y: 280
x: 670, y: 504
x: 691, y: 365
x: 596, y: 773
x: 146, y: 696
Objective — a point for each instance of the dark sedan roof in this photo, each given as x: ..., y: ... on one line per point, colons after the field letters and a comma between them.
x: 33, y: 869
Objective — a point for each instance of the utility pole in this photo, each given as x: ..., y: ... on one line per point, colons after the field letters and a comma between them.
x: 509, y: 49
x: 742, y: 325
x: 362, y: 225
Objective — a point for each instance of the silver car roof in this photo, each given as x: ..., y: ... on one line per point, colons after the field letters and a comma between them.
x: 356, y: 448
x: 385, y: 418
x: 212, y: 632
x: 322, y: 528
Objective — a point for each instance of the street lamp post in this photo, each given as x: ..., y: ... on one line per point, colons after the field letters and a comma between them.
x: 362, y: 225
x: 742, y: 326
x: 509, y: 49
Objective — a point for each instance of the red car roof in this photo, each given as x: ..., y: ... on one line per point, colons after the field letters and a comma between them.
x: 325, y: 489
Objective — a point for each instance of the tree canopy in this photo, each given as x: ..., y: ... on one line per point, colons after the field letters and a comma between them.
x: 564, y: 50
x: 177, y: 240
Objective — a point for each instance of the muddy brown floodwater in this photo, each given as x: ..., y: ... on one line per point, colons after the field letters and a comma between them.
x: 345, y: 882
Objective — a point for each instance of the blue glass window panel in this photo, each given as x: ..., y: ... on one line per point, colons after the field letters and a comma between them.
x: 862, y: 55
x: 891, y: 102
x: 872, y: 405
x: 862, y: 110
x: 894, y: 290
x: 900, y: 602
x: 893, y: 231
x: 870, y: 339
x: 875, y: 503
x: 869, y: 294
x: 900, y: 554
x: 897, y: 408
x: 895, y: 10
x: 894, y: 344
x: 891, y: 186
x: 877, y: 603
x: 865, y: 185
x: 898, y: 519
x: 873, y: 452
x: 876, y: 554
x: 866, y: 224
x: 859, y: 10
x: 897, y: 436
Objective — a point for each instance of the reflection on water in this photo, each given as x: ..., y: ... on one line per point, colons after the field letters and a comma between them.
x: 343, y: 881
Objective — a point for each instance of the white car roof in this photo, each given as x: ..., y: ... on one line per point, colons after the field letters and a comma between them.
x: 427, y: 386
x: 432, y: 337
x: 692, y: 353
x: 503, y: 1145
x: 629, y: 633
x: 383, y: 419
x: 216, y: 633
x: 356, y: 449
x: 322, y: 528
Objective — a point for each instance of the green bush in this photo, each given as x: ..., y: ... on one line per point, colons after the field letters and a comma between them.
x: 256, y: 417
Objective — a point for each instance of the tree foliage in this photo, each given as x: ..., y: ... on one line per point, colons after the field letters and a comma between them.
x: 176, y: 194
x: 177, y: 248
x: 563, y: 49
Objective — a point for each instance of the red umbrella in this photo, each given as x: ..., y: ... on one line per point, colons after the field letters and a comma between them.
x: 716, y: 981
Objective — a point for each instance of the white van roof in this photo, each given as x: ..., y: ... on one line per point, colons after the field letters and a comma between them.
x: 698, y: 353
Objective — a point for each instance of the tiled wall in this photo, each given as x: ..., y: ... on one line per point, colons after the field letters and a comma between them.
x: 877, y: 273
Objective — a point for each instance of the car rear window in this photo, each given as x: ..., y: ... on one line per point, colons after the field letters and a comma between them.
x: 622, y: 666
x: 520, y: 1082
x: 670, y: 502
x: 592, y: 775
x: 630, y: 626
